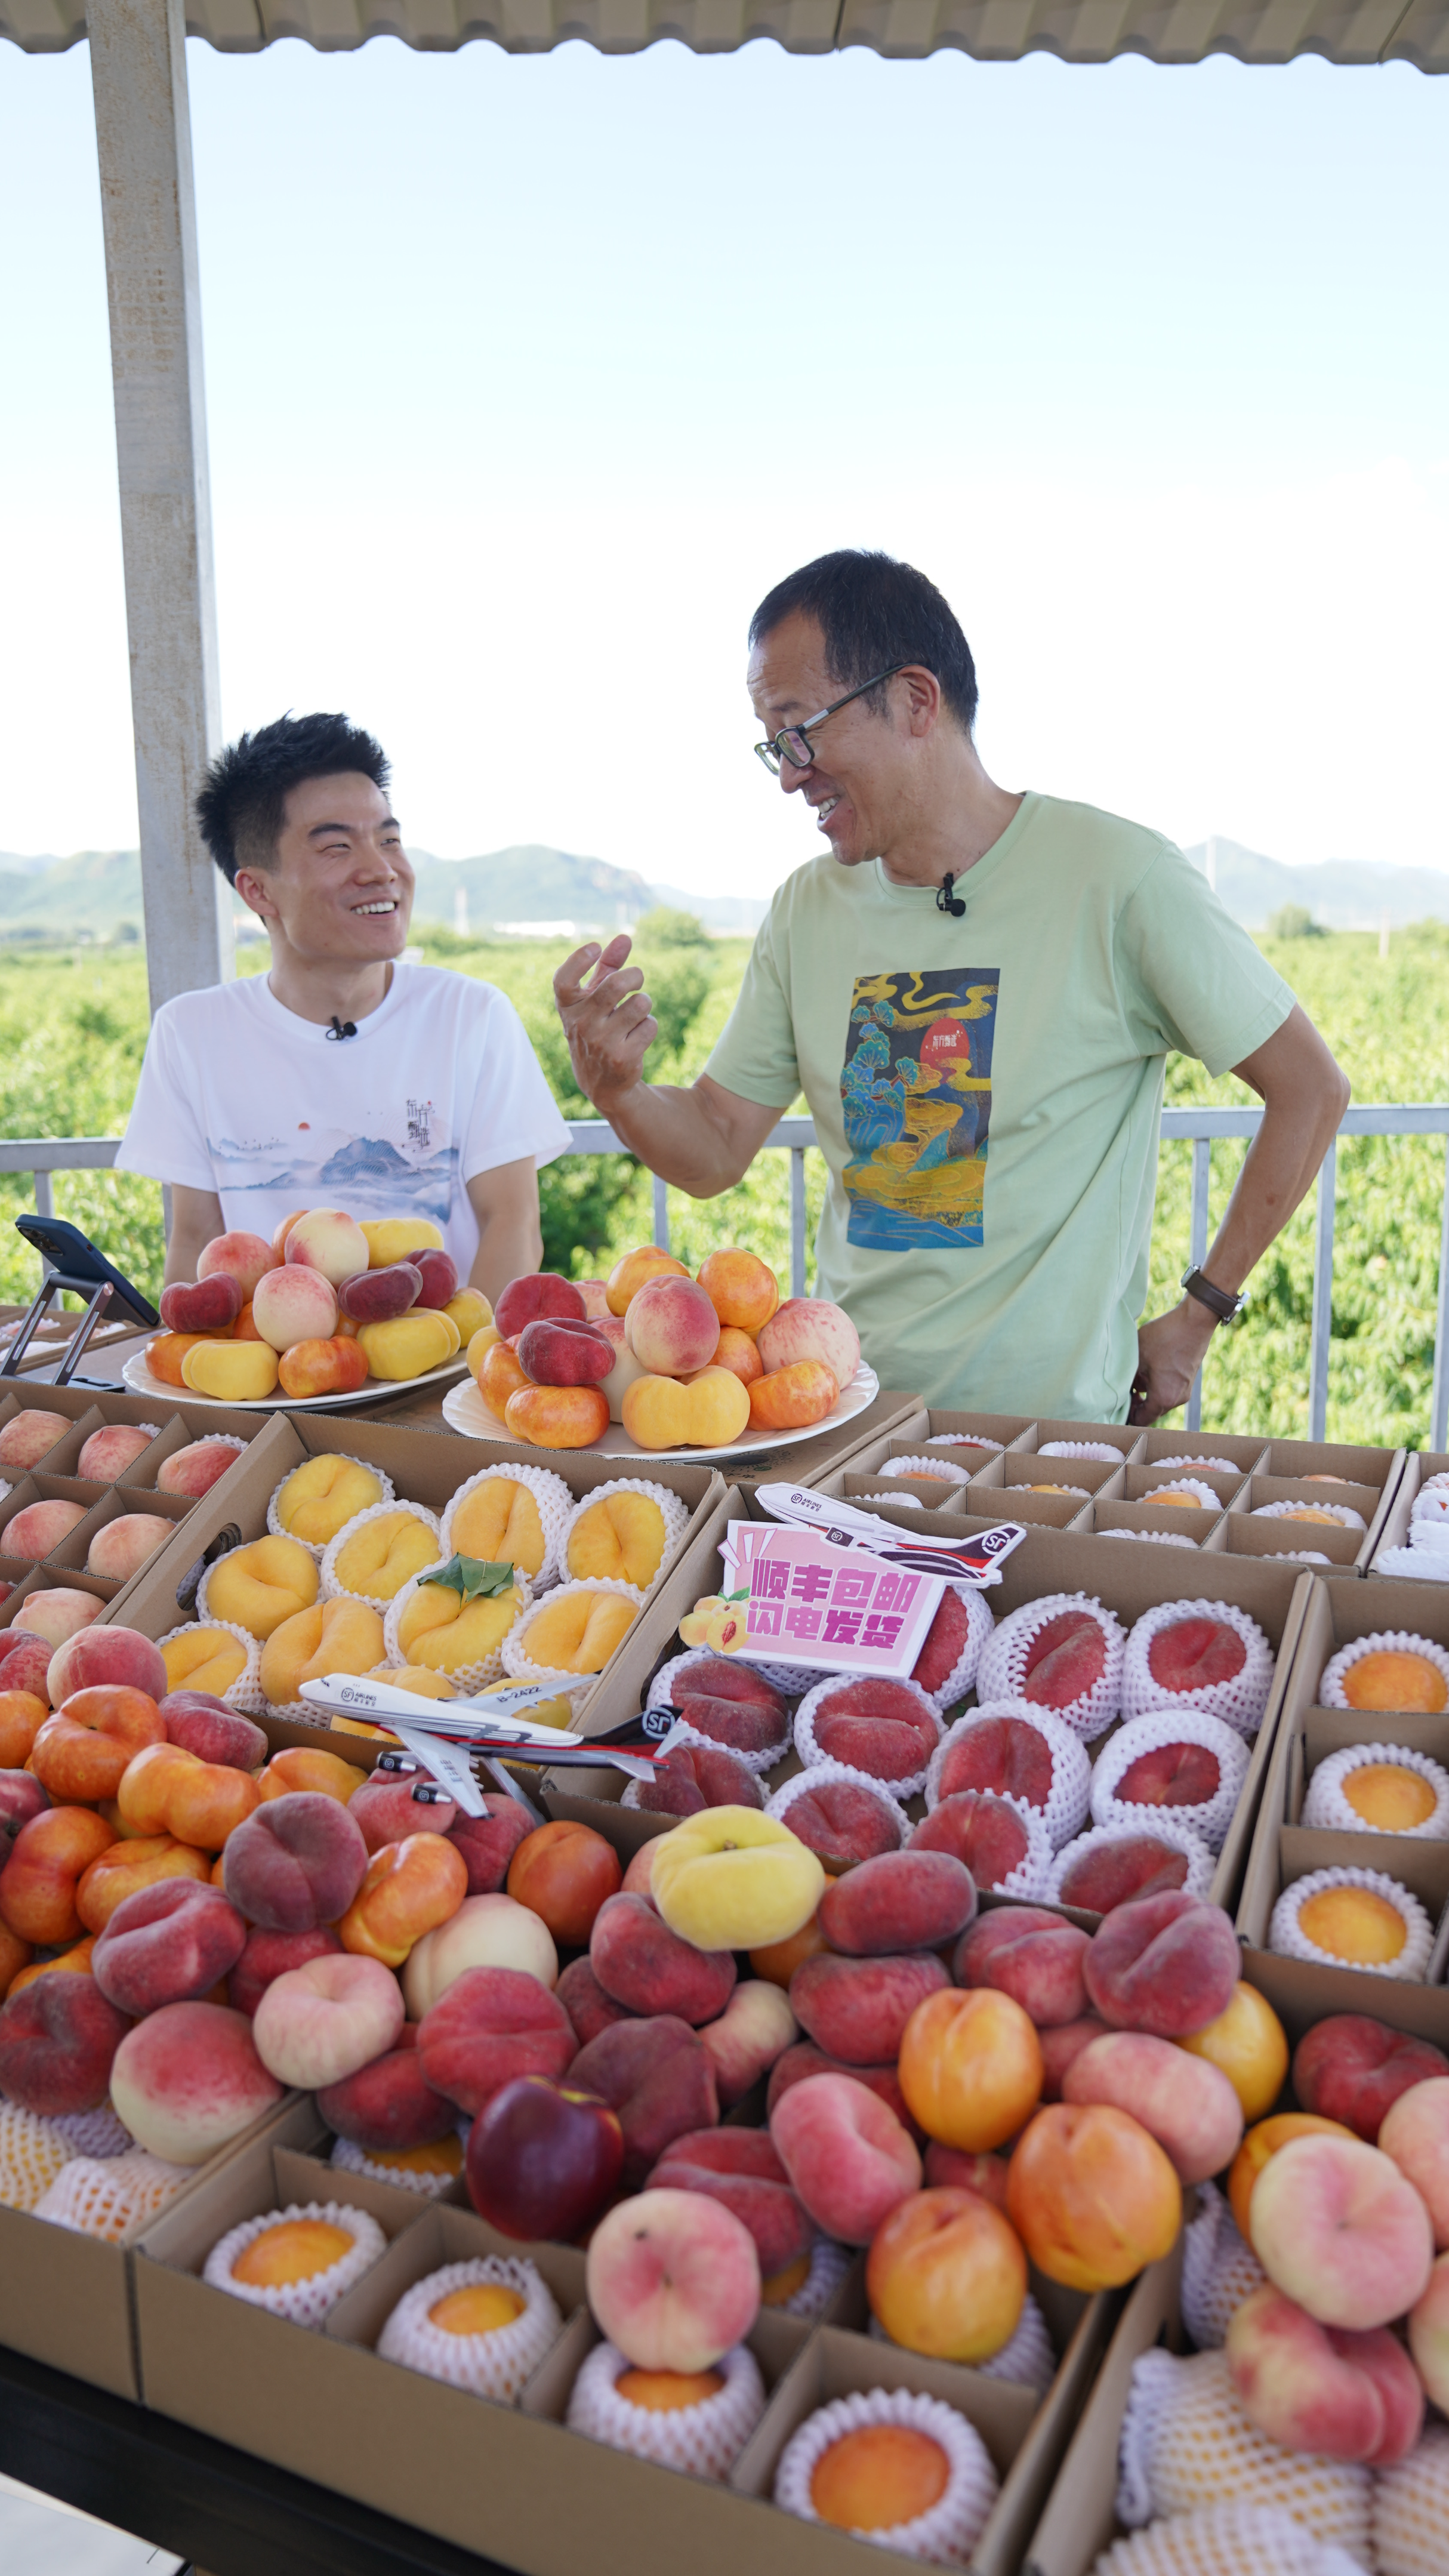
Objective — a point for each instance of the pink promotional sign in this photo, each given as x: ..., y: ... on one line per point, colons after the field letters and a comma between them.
x: 838, y: 1608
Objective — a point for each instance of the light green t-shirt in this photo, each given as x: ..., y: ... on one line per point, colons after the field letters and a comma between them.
x: 1002, y: 1274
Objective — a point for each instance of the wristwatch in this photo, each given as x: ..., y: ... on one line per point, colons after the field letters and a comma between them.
x: 1218, y: 1301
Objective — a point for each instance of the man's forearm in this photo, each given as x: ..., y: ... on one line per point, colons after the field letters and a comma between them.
x: 1278, y: 1172
x: 671, y: 1130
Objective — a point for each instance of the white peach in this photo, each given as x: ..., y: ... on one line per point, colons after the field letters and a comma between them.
x: 755, y: 2028
x: 28, y: 1437
x: 196, y: 1468
x: 294, y: 1304
x: 111, y: 1450
x: 119, y: 1546
x: 811, y: 1328
x: 1338, y: 2229
x: 486, y: 1932
x: 1313, y: 2388
x: 243, y: 1257
x: 1415, y: 2132
x: 320, y: 2022
x: 57, y: 1614
x: 327, y: 1241
x: 39, y: 1528
x: 671, y: 1327
x: 1429, y: 2334
x: 625, y: 1369
x: 187, y: 2080
x: 673, y: 2279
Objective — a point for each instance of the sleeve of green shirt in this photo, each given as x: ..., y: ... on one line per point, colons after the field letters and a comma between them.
x: 1191, y: 977
x: 755, y: 1052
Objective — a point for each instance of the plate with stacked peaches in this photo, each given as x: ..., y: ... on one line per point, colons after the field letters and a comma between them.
x: 651, y: 1363
x: 331, y: 1312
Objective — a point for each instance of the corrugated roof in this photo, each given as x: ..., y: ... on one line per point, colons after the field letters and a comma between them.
x: 1078, y: 31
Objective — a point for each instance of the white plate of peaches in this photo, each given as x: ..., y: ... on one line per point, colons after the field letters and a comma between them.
x: 653, y: 1364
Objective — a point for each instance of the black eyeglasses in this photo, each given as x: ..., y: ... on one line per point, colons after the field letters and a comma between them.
x: 793, y: 744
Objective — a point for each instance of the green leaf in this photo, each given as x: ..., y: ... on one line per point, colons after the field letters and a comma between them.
x: 470, y: 1577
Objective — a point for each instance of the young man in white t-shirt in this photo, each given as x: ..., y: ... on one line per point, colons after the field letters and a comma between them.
x: 342, y: 1078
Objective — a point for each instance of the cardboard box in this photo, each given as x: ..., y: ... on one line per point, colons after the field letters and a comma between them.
x: 1284, y: 1850
x: 1016, y: 1433
x: 1081, y: 2515
x: 1418, y: 1466
x: 65, y: 2298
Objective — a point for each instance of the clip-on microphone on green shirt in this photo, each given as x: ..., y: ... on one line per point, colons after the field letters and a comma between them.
x: 946, y: 899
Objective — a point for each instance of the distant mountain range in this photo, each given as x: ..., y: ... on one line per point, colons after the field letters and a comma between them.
x: 98, y: 892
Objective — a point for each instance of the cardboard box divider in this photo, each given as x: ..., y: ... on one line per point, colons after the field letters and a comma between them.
x: 1017, y: 1433
x: 984, y: 1502
x: 1025, y: 1471
x: 1283, y: 1850
x: 1239, y: 1534
x: 1169, y: 1520
x: 1419, y: 1465
x: 1381, y: 1468
x: 1141, y: 1481
x: 1081, y: 2514
x: 933, y: 1495
x: 1244, y: 1450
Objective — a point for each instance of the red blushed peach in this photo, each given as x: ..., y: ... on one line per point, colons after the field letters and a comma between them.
x: 1033, y: 1956
x: 756, y: 2027
x: 187, y: 2080
x: 1189, y: 2107
x: 1352, y: 2068
x: 970, y: 2068
x: 988, y: 1835
x: 201, y: 1305
x: 584, y: 2000
x: 22, y: 1715
x: 493, y: 2025
x: 1092, y: 2196
x: 326, y: 1242
x: 538, y: 1292
x: 243, y: 1257
x: 488, y: 1843
x: 1416, y: 2134
x: 111, y: 1450
x: 388, y: 2103
x: 385, y: 1811
x: 297, y: 1862
x: 212, y: 1731
x: 321, y: 2022
x: 42, y: 1877
x: 657, y: 2076
x: 58, y: 2041
x: 1061, y: 2046
x: 98, y: 1658
x: 168, y: 1944
x: 811, y: 1328
x: 948, y: 2170
x: 1336, y: 2227
x: 42, y: 1623
x: 131, y: 1862
x: 268, y: 1955
x: 1429, y: 2334
x: 903, y: 1900
x: 673, y: 2279
x: 195, y: 1469
x: 858, y: 2009
x: 671, y: 1326
x: 1312, y: 2388
x: 805, y: 2059
x: 946, y: 2276
x: 83, y: 1752
x: 1166, y: 1964
x: 39, y: 1527
x: 324, y: 1364
x: 741, y: 2168
x: 848, y: 2158
x: 642, y: 1964
x: 1264, y: 2140
x: 28, y: 1437
x: 21, y: 1797
x: 562, y: 1353
x: 564, y: 1872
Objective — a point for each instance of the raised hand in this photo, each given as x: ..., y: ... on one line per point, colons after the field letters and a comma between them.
x: 608, y: 1020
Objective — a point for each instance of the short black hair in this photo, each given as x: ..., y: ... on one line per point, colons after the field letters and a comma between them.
x: 873, y: 612
x: 241, y: 805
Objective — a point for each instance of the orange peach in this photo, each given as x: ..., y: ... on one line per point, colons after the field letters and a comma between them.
x: 563, y: 1873
x: 76, y: 1960
x: 165, y: 1354
x: 786, y: 1399
x: 14, y: 1957
x: 335, y: 1366
x: 500, y: 1377
x: 946, y: 2276
x: 22, y: 1714
x: 81, y: 1753
x: 1263, y: 2141
x: 128, y: 1864
x: 629, y: 1274
x: 49, y: 1859
x: 411, y: 1888
x: 1249, y: 2045
x: 299, y: 1766
x: 557, y: 1417
x: 167, y: 1790
x: 878, y: 2477
x: 1092, y: 2196
x: 970, y: 2067
x: 737, y: 1353
x: 279, y: 1239
x: 245, y: 1327
x: 777, y: 1961
x: 742, y: 1289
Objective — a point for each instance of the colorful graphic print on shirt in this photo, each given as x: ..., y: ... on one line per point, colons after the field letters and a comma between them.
x: 916, y: 1089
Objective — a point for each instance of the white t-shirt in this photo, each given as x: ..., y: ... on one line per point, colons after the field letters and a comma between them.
x: 239, y: 1096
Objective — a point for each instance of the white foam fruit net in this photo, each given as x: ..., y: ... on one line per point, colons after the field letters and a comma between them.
x: 1219, y: 2270
x: 1151, y: 1538
x: 1411, y: 1564
x: 302, y: 2303
x: 33, y: 2154
x: 497, y: 2364
x: 245, y: 1693
x: 1326, y: 1809
x: 1203, y: 1494
x: 821, y: 1775
x: 109, y: 2196
x: 963, y: 1440
x: 553, y: 1501
x: 673, y: 1513
x: 945, y: 1470
x: 518, y: 1663
x: 950, y: 2528
x: 1155, y: 1823
x: 1229, y: 2539
x: 902, y: 1502
x: 829, y: 2264
x: 979, y: 1628
x: 1208, y: 1819
x: 1066, y: 1808
x: 1029, y: 1877
x: 1187, y: 2443
x: 1411, y: 2510
x: 1103, y: 1451
x: 1239, y: 1700
x: 704, y: 2440
x: 1204, y: 1464
x: 1387, y: 1641
x: 1002, y: 1672
x: 95, y: 2133
x: 1286, y: 1937
x: 1343, y: 1513
x: 467, y: 1679
x: 816, y: 1703
x: 1028, y: 2357
x: 335, y: 1586
x: 277, y: 1527
x: 349, y: 2157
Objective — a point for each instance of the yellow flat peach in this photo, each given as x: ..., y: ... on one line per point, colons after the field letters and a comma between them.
x: 470, y: 1311
x: 409, y: 1345
x: 440, y: 1632
x: 392, y: 1238
x: 385, y: 1554
x: 257, y: 1587
x: 479, y: 1346
x: 619, y: 1539
x: 703, y: 1411
x: 237, y: 1372
x: 203, y: 1659
x: 412, y: 1677
x: 342, y: 1636
x: 323, y: 1494
x: 499, y: 1524
x: 578, y: 1633
x: 732, y: 1879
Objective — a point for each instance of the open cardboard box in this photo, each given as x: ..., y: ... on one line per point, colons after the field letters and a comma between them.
x: 1081, y: 2513
x: 1129, y: 1580
x: 1016, y: 1433
x: 1419, y: 1465
x: 65, y: 2298
x: 1283, y: 1850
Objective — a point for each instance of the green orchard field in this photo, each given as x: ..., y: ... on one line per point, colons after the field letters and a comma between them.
x: 73, y: 1027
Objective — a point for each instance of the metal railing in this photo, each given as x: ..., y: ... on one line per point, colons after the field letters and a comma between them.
x: 43, y: 1155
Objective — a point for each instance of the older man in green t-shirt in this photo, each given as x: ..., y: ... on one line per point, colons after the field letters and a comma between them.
x: 976, y: 992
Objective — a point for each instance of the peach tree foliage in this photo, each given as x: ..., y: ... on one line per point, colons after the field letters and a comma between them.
x: 73, y: 1026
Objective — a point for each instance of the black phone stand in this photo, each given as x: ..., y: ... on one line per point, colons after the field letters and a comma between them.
x: 55, y: 1283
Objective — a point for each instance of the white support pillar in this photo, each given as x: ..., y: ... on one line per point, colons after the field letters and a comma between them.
x: 143, y: 137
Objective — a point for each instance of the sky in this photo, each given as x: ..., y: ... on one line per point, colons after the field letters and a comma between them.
x: 528, y: 376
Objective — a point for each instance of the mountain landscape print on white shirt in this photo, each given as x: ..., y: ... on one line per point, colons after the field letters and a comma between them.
x: 319, y: 1166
